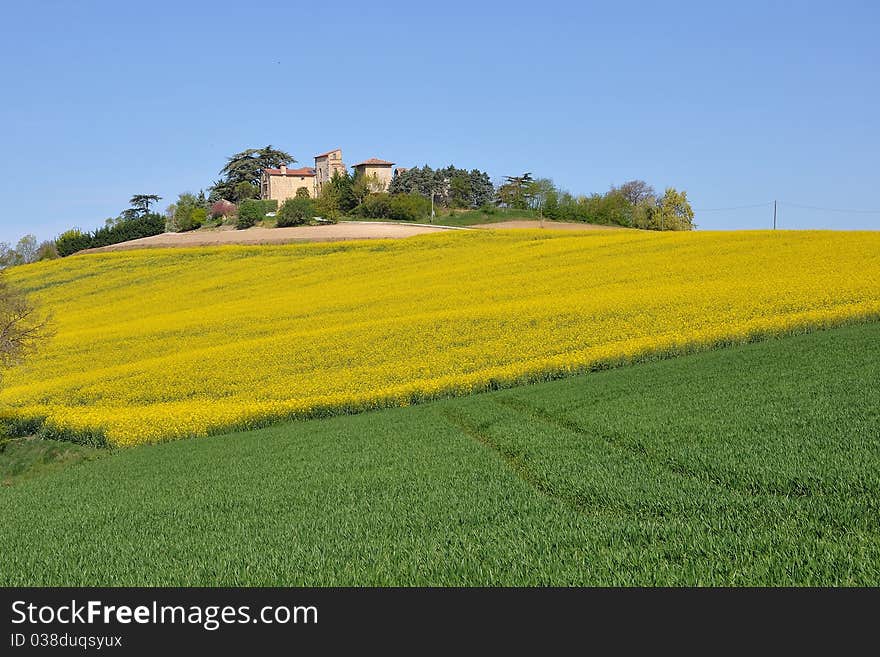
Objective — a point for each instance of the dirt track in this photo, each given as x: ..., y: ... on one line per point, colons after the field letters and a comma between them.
x: 329, y: 233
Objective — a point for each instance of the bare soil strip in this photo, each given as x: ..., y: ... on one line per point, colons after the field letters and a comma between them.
x: 220, y: 236
x: 327, y: 233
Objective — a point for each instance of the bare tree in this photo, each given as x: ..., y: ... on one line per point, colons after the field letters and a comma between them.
x: 22, y: 326
x: 636, y: 191
x: 27, y: 249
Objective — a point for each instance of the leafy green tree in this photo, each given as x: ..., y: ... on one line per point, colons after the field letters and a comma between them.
x: 674, y: 211
x: 537, y: 191
x: 71, y: 241
x: 460, y: 191
x: 187, y: 213
x: 303, y: 192
x: 363, y: 186
x: 336, y: 196
x: 247, y: 166
x: 47, y: 251
x: 551, y: 204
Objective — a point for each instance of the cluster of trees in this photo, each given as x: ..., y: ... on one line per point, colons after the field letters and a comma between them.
x: 27, y: 250
x: 451, y: 187
x: 634, y: 204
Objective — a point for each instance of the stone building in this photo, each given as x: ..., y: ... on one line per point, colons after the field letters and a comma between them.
x: 326, y: 164
x: 281, y: 184
x: 381, y: 169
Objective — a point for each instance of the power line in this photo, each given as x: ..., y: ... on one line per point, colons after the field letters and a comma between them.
x: 791, y: 205
x: 813, y: 207
x: 738, y: 207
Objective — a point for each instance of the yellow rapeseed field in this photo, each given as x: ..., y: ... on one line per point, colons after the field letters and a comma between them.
x: 158, y: 344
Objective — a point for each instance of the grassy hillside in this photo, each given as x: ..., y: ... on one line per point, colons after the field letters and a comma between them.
x: 159, y: 344
x: 757, y: 464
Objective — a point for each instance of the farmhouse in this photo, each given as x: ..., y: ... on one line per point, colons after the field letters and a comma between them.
x: 374, y: 166
x: 282, y: 183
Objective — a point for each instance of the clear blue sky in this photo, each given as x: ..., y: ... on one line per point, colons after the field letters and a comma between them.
x: 737, y: 103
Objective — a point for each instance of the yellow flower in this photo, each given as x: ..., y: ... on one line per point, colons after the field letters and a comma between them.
x: 158, y: 344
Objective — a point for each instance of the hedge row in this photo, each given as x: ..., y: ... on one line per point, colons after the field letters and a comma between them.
x: 400, y: 207
x: 75, y: 240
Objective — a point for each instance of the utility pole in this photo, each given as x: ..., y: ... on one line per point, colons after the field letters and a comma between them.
x: 774, y: 215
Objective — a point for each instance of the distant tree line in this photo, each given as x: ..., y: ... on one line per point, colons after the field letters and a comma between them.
x: 634, y: 204
x: 451, y: 187
x: 26, y: 251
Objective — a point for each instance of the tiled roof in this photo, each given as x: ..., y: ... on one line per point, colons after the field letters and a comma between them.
x: 328, y: 153
x: 305, y: 171
x: 375, y: 161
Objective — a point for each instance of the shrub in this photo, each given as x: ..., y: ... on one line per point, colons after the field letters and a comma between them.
x: 399, y: 207
x: 71, y: 241
x: 190, y: 218
x: 295, y: 212
x: 197, y: 217
x: 47, y: 251
x: 222, y: 208
x: 249, y: 213
x: 375, y: 206
x: 302, y: 192
x: 327, y: 208
x: 409, y: 207
x: 267, y: 205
